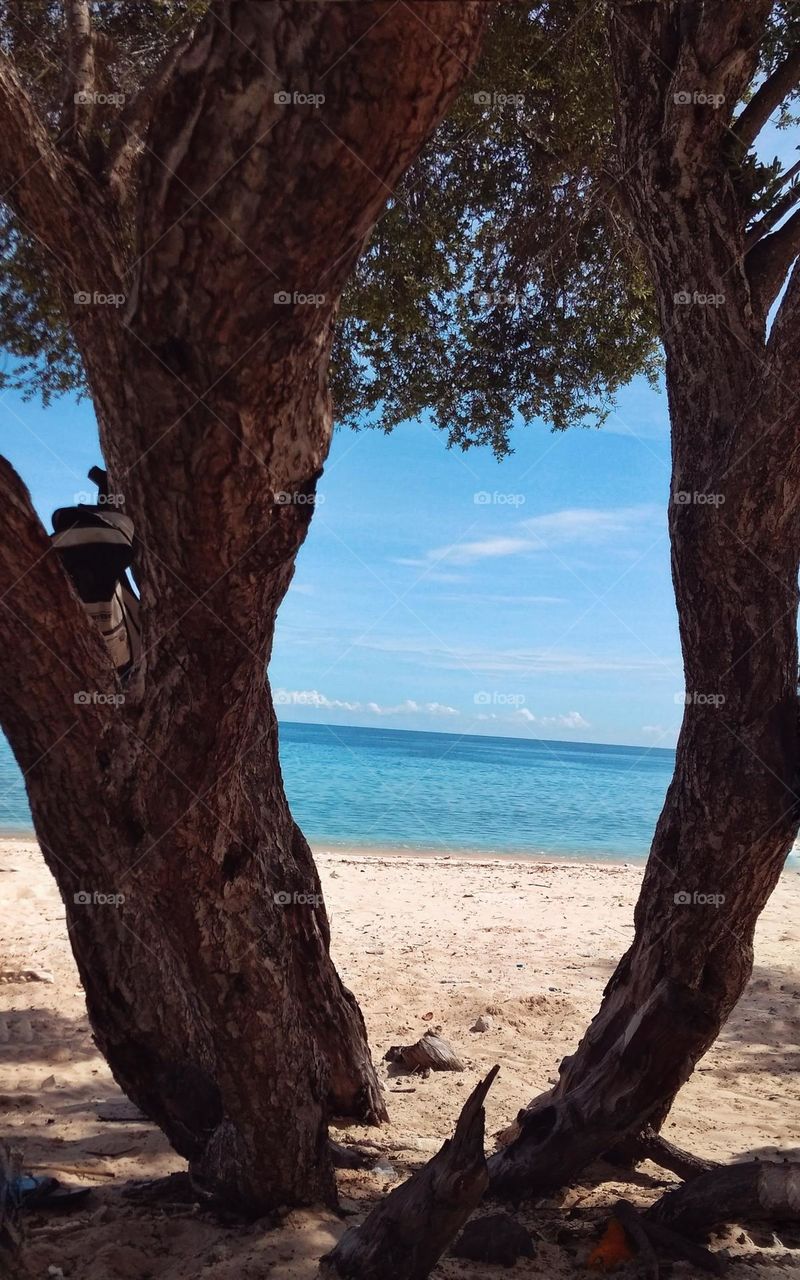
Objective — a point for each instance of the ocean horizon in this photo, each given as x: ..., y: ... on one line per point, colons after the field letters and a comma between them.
x: 406, y: 790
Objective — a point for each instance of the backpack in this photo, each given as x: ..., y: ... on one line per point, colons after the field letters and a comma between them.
x: 95, y: 543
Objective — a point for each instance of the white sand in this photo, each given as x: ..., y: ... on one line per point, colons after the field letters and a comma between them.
x: 423, y: 942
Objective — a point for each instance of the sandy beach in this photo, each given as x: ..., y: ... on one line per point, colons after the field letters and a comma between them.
x: 423, y: 942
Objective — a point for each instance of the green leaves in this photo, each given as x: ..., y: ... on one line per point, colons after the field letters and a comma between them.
x: 41, y: 355
x: 502, y: 283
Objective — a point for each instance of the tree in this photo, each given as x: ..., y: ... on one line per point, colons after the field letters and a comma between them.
x: 718, y: 260
x: 183, y: 252
x: 599, y: 190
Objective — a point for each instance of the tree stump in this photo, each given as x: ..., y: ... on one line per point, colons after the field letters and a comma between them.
x: 429, y: 1052
x: 404, y: 1237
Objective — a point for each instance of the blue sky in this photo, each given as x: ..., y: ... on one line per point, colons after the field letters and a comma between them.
x: 446, y: 591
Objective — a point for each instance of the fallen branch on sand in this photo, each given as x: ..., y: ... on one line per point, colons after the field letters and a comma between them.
x: 756, y: 1190
x: 650, y: 1145
x: 404, y: 1237
x: 753, y: 1191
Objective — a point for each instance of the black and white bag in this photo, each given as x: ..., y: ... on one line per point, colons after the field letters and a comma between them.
x: 95, y: 544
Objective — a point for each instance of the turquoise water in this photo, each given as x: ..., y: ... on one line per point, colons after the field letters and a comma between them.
x: 396, y: 789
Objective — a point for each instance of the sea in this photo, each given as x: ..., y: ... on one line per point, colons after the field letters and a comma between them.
x: 394, y: 789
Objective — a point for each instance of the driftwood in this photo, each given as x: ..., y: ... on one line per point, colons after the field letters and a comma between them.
x: 494, y: 1238
x: 343, y: 1157
x: 430, y: 1052
x: 404, y: 1237
x: 634, y: 1229
x: 756, y: 1190
x: 121, y: 1111
x: 650, y: 1238
x: 650, y: 1145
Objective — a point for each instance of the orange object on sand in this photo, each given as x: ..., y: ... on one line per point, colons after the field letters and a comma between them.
x: 613, y: 1250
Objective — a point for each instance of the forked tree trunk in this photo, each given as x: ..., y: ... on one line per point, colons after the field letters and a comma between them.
x: 192, y: 900
x: 194, y: 909
x: 731, y: 812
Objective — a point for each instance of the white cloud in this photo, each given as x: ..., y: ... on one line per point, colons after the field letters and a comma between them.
x: 320, y: 702
x: 310, y: 698
x: 484, y: 549
x: 479, y: 597
x: 660, y: 732
x: 572, y: 719
x: 410, y: 707
x: 574, y: 525
x: 515, y: 661
x: 587, y: 524
x: 429, y: 574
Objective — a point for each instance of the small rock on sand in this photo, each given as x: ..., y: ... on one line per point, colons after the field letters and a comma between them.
x: 482, y: 1023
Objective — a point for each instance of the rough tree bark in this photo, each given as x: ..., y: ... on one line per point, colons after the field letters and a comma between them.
x: 405, y: 1235
x: 731, y: 812
x: 226, y: 237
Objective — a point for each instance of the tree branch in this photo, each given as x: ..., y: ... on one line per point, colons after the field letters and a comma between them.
x: 347, y: 104
x: 32, y: 171
x: 127, y: 137
x: 769, y: 260
x: 767, y: 98
x: 79, y: 105
x: 49, y: 651
x: 55, y: 197
x: 773, y: 216
x: 783, y: 345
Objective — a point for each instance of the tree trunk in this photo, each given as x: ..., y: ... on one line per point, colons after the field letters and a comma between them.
x: 731, y: 813
x: 196, y: 917
x: 192, y: 900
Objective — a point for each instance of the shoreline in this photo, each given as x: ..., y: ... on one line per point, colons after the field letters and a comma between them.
x: 472, y: 857
x: 475, y: 857
x: 326, y: 849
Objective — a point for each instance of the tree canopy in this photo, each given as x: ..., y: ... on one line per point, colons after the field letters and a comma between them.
x: 504, y: 281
